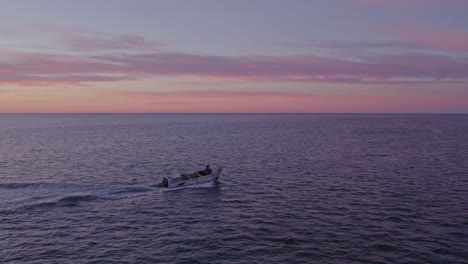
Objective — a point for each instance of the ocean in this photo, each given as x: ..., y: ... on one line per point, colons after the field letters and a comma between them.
x: 295, y: 188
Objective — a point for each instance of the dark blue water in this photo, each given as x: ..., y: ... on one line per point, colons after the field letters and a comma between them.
x: 295, y: 189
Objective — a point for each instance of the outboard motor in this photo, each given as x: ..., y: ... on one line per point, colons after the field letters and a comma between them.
x: 165, y: 182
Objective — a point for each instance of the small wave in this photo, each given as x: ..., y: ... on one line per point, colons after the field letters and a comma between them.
x: 47, y: 185
x: 76, y: 198
x: 384, y: 247
x: 18, y: 185
x: 123, y: 192
x: 395, y: 219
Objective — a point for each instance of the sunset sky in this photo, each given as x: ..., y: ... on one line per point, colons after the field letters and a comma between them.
x: 317, y: 56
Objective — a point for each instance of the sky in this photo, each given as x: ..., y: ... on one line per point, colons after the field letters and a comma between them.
x: 226, y: 56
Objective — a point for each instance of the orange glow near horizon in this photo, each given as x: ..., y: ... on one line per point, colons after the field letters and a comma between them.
x: 227, y: 102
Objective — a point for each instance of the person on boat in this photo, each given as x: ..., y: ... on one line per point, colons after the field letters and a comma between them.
x: 208, y: 170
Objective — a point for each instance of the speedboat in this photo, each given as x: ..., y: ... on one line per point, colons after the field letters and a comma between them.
x: 195, y: 178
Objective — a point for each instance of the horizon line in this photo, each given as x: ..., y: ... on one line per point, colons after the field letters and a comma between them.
x: 238, y: 113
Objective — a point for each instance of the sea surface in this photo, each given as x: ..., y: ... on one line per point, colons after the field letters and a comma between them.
x: 296, y: 188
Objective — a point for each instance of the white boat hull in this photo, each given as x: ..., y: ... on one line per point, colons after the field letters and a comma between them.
x: 175, y: 182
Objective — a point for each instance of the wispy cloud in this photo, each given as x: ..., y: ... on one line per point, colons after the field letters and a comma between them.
x: 87, y: 40
x: 91, y: 42
x: 114, y: 67
x: 134, y: 58
x: 361, y: 45
x: 405, y: 38
x: 438, y: 38
x: 48, y: 80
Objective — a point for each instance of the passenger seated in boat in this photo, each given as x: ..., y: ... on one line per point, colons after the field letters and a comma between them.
x: 208, y: 170
x: 190, y: 176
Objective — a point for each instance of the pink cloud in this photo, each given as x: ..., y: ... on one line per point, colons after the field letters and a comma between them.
x: 311, y: 69
x: 24, y: 68
x: 305, y: 68
x: 423, y: 65
x: 70, y: 79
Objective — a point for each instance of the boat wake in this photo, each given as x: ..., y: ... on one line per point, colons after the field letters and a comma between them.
x: 14, y: 196
x: 19, y: 196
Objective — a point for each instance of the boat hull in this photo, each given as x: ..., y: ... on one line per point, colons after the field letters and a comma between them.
x: 178, y: 181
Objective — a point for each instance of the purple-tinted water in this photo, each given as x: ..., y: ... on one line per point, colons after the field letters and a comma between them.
x: 295, y: 189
